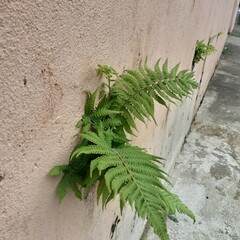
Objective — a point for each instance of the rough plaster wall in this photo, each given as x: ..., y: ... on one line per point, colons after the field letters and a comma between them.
x: 48, y: 51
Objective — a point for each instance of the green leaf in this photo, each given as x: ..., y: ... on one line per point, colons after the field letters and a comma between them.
x: 133, y: 81
x: 158, y: 71
x: 62, y: 186
x: 173, y: 72
x: 90, y: 103
x: 165, y: 68
x: 74, y: 186
x: 137, y: 76
x: 58, y: 170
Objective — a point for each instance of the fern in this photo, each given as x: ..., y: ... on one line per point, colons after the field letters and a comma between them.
x: 134, y: 91
x: 202, y: 50
x: 134, y: 175
x: 105, y: 155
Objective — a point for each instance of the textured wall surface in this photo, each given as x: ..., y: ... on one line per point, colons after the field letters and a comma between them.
x: 49, y: 51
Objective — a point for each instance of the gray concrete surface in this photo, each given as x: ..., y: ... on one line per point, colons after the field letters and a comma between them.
x: 236, y: 30
x: 207, y: 172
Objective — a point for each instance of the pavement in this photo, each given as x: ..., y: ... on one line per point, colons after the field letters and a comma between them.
x: 206, y: 175
x: 236, y: 30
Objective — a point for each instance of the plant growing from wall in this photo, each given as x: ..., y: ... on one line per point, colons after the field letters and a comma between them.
x: 202, y: 50
x: 106, y: 156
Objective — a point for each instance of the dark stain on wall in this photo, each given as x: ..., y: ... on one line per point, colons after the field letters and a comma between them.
x: 133, y: 224
x: 194, y: 2
x: 114, y: 227
x: 1, y: 177
x: 25, y: 82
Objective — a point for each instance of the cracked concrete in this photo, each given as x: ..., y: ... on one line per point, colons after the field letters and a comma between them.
x: 207, y: 172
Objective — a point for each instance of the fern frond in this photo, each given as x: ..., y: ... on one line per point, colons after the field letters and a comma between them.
x: 91, y: 149
x: 58, y: 170
x: 111, y: 122
x: 175, y: 204
x: 135, y: 90
x: 202, y: 50
x: 165, y: 68
x: 68, y: 180
x: 128, y: 118
x: 133, y: 174
x: 90, y: 102
x: 103, y: 112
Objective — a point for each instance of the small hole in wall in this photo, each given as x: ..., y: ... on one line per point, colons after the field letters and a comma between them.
x: 25, y: 82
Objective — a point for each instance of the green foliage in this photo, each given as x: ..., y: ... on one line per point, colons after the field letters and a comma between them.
x: 105, y: 155
x: 58, y: 170
x: 202, y: 50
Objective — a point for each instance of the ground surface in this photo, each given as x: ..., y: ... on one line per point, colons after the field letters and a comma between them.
x: 236, y: 30
x: 207, y: 172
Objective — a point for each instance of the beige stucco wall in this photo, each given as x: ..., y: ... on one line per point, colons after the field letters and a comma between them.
x: 49, y: 50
